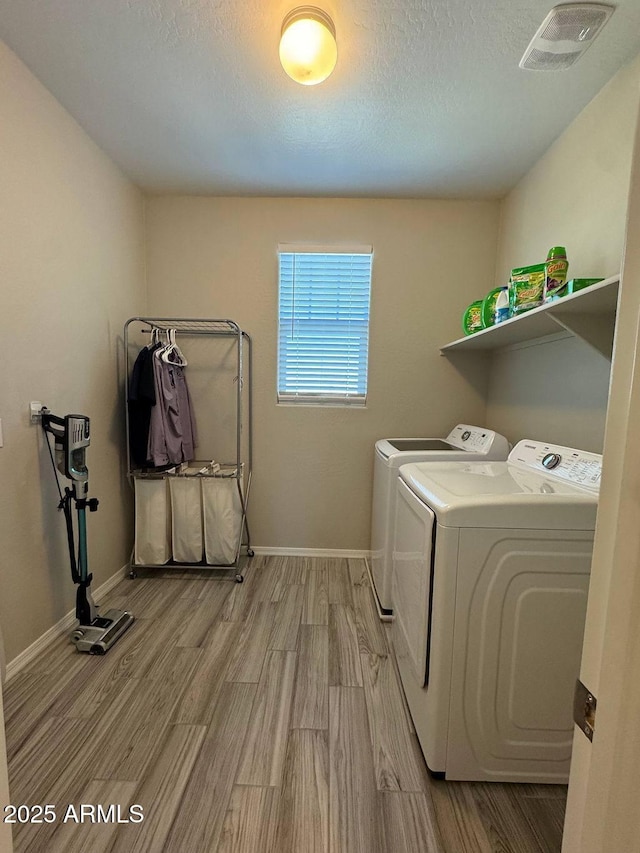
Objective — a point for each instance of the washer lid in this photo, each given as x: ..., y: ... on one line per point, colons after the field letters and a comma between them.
x: 500, y: 494
x: 412, y: 444
x: 464, y: 441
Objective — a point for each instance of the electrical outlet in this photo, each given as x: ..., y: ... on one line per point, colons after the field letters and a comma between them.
x: 35, y: 411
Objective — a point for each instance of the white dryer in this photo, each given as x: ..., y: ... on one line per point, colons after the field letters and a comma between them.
x: 463, y: 442
x: 491, y: 571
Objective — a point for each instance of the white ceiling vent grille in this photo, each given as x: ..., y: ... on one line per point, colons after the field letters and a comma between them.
x: 564, y: 35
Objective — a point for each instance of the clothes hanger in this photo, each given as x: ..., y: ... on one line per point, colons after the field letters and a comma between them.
x: 173, y: 354
x: 168, y: 347
x: 160, y: 351
x: 177, y: 351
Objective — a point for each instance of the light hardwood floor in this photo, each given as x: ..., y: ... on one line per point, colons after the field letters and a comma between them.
x: 248, y: 718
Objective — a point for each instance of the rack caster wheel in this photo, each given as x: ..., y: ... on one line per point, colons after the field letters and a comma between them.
x: 133, y: 575
x: 77, y: 635
x: 250, y: 552
x: 239, y: 579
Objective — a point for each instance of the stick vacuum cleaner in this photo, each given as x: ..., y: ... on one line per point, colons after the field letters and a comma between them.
x: 95, y: 634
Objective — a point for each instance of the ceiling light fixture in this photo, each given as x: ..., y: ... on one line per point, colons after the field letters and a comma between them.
x: 308, y: 50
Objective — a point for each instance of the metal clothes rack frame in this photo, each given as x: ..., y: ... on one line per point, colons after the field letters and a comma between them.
x: 239, y: 469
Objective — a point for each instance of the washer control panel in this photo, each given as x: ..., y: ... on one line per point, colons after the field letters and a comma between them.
x: 564, y: 463
x: 472, y: 438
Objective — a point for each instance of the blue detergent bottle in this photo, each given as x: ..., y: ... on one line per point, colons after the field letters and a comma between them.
x: 502, y: 304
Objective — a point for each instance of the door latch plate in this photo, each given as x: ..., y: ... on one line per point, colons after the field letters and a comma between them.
x: 584, y: 709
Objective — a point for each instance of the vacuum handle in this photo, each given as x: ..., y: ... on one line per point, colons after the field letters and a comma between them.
x: 47, y: 424
x: 48, y: 418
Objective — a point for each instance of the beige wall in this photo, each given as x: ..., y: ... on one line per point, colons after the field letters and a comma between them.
x: 576, y: 196
x: 72, y: 270
x: 211, y: 257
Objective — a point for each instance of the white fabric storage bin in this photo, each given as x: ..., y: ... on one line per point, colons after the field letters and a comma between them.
x: 222, y: 512
x: 153, y: 522
x: 186, y: 518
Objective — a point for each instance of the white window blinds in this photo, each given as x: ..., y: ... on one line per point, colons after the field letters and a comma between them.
x: 323, y: 335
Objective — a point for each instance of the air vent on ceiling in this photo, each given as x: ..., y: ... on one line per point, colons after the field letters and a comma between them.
x: 564, y: 35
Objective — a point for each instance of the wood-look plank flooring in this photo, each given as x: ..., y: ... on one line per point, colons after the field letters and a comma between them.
x: 263, y: 717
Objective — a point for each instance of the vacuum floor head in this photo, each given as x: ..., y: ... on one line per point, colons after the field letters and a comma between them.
x: 104, y: 631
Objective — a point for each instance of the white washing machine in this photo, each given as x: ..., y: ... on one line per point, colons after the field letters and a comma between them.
x: 491, y: 571
x: 463, y: 442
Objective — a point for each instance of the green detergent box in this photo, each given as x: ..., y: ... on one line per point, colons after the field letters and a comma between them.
x: 574, y: 285
x: 526, y: 288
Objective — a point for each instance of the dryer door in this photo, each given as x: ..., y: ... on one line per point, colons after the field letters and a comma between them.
x: 412, y: 577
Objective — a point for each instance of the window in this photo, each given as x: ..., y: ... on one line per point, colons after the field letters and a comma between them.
x: 323, y: 324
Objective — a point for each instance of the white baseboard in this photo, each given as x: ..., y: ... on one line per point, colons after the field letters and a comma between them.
x: 65, y: 624
x: 309, y: 552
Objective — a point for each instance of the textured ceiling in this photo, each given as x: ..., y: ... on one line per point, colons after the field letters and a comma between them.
x: 426, y: 100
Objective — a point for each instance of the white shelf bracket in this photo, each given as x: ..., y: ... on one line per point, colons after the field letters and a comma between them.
x: 595, y: 330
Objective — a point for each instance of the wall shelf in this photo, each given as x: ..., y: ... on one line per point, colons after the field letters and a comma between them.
x: 589, y: 314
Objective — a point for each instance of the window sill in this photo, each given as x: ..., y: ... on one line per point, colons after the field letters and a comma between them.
x: 325, y: 402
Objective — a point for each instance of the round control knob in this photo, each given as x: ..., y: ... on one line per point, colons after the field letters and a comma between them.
x: 551, y: 460
x: 466, y: 435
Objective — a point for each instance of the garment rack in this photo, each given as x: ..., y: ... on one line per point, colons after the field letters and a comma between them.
x: 239, y: 469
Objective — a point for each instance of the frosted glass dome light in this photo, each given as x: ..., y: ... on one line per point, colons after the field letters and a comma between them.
x: 308, y: 50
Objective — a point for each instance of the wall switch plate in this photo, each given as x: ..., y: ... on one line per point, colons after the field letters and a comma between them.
x: 35, y: 411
